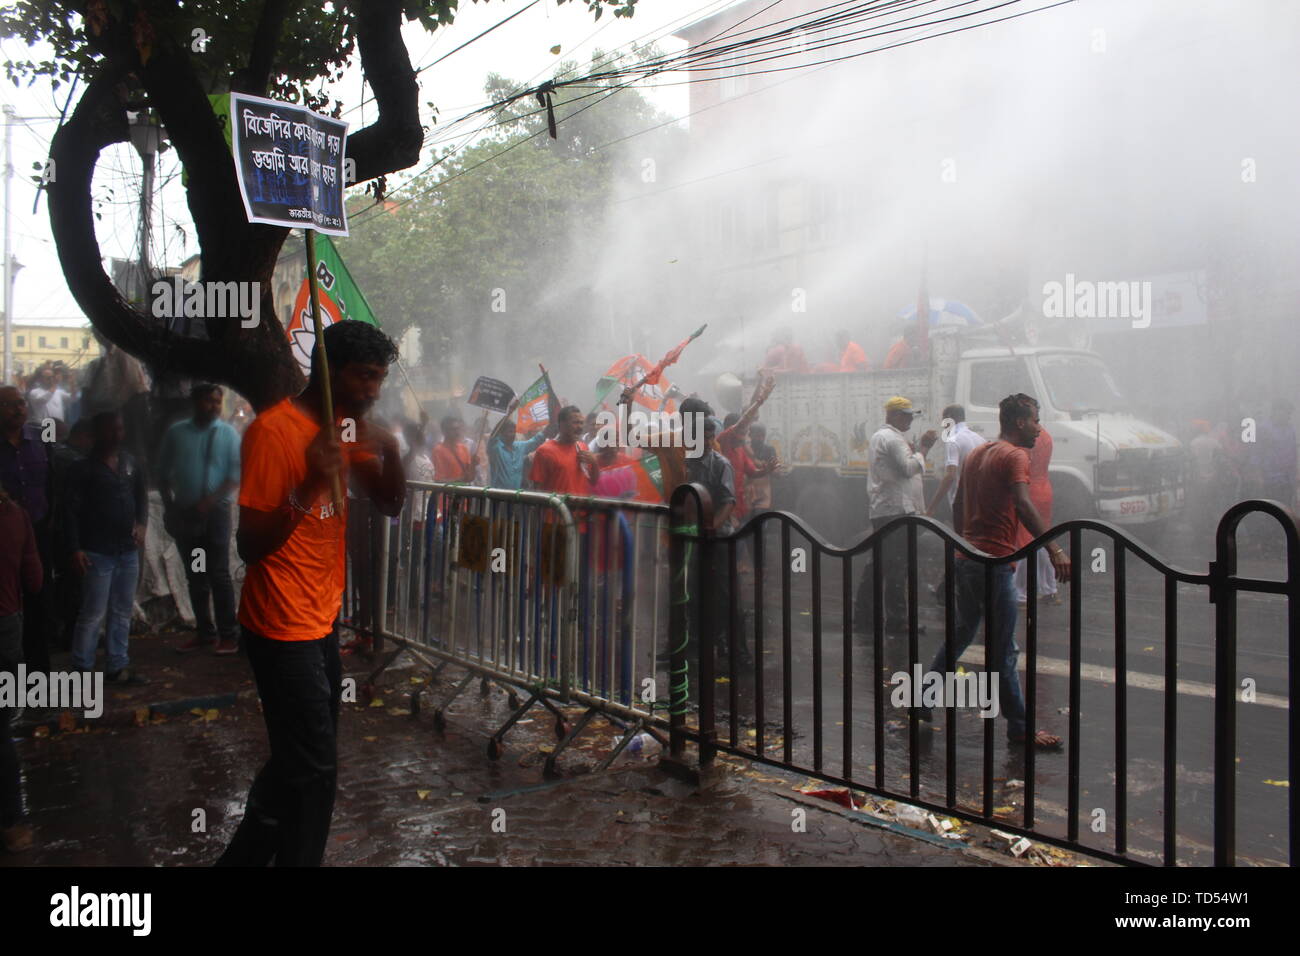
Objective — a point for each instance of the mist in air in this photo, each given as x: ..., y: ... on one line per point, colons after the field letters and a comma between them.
x: 1109, y: 140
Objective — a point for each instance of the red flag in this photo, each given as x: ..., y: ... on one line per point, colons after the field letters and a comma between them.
x: 653, y: 377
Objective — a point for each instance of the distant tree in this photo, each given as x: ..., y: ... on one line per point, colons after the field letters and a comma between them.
x: 517, y: 212
x: 135, y: 54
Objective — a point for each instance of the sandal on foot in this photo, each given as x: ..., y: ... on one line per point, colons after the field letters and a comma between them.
x: 1042, y: 740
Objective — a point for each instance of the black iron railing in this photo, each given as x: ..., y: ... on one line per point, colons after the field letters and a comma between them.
x: 714, y: 602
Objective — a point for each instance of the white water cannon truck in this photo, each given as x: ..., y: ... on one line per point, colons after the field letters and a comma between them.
x: 1106, y: 462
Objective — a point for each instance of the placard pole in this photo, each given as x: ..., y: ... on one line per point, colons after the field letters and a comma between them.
x: 323, y: 368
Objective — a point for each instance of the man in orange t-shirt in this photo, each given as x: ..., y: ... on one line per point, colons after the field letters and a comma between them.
x: 292, y: 539
x: 563, y: 464
x: 451, y: 458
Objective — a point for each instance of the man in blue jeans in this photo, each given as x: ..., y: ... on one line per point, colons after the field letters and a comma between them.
x: 107, y: 509
x: 991, y: 503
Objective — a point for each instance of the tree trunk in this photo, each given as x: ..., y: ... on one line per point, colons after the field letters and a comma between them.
x: 256, y: 362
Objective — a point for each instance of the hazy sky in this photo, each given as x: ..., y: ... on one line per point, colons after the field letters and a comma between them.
x: 520, y: 50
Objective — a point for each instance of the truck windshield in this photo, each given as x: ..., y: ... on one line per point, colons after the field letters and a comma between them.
x: 1077, y: 383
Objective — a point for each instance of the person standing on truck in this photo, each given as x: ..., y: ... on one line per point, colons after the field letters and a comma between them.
x: 852, y: 357
x: 892, y: 464
x: 993, y: 501
x: 906, y: 352
x: 783, y: 355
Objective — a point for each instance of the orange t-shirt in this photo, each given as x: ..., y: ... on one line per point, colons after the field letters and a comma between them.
x: 450, y: 465
x: 899, y: 356
x: 990, y: 521
x: 294, y: 593
x: 556, y: 468
x: 854, y: 359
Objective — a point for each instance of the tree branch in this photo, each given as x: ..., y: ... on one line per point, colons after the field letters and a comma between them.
x: 255, y: 77
x: 98, y: 121
x: 393, y: 141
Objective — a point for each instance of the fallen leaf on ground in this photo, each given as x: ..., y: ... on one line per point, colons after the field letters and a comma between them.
x: 1278, y: 783
x: 41, y: 731
x: 370, y: 740
x: 377, y: 702
x: 423, y: 794
x: 211, y: 714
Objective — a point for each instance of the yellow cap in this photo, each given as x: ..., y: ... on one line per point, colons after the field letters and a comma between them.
x: 899, y: 404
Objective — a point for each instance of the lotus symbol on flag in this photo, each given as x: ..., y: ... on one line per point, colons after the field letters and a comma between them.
x: 302, y: 335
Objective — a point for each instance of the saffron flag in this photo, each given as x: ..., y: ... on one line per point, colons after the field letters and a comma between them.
x: 534, y: 409
x: 649, y: 477
x: 657, y: 372
x: 339, y: 299
x: 630, y: 369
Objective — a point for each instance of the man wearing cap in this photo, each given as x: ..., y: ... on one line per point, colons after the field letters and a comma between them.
x: 892, y: 464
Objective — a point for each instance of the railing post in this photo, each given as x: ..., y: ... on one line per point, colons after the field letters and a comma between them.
x: 690, y: 510
x: 707, y: 636
x: 1224, y: 598
x: 381, y: 585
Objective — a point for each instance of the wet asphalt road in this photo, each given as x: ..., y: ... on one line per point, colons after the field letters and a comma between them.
x: 1261, y: 742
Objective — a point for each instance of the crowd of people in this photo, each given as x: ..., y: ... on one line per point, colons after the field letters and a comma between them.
x: 74, y: 513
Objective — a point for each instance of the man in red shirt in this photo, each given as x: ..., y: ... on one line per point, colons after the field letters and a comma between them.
x: 291, y: 537
x: 992, y: 501
x: 563, y: 464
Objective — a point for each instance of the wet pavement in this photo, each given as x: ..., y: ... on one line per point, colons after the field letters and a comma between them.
x: 1262, y: 737
x: 161, y: 780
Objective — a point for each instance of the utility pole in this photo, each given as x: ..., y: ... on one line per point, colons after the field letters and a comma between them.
x: 9, y: 263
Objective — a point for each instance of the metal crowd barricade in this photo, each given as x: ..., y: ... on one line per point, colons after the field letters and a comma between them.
x: 555, y: 596
x: 722, y: 609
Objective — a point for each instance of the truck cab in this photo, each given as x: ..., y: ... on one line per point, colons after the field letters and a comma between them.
x: 1106, y: 463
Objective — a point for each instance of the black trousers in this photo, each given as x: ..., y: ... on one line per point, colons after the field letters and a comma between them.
x: 287, y: 817
x: 211, y: 589
x: 39, y: 624
x: 893, y: 571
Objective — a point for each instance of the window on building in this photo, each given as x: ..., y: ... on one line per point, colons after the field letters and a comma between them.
x: 22, y: 342
x: 734, y: 81
x: 63, y: 342
x: 85, y: 343
x: 42, y: 342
